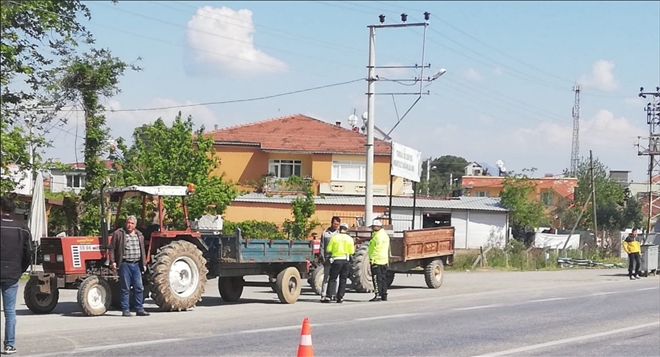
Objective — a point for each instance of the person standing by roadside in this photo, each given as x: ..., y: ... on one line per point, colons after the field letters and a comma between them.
x: 325, y: 255
x: 341, y: 248
x: 15, y: 255
x: 631, y: 246
x: 127, y: 253
x: 379, y: 256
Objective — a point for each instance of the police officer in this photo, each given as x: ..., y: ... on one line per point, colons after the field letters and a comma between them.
x: 341, y: 247
x: 379, y: 256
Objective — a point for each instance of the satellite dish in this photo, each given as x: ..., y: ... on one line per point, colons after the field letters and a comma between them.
x: 352, y: 120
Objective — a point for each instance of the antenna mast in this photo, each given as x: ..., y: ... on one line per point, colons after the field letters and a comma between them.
x: 575, y: 149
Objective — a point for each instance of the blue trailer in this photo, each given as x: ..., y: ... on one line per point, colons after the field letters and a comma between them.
x: 231, y: 257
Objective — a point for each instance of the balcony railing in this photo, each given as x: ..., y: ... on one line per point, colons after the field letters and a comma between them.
x: 280, y: 185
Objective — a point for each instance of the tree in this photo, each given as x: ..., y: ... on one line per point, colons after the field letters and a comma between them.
x: 33, y: 35
x: 176, y: 155
x: 85, y: 79
x: 442, y: 169
x: 302, y: 208
x: 610, y: 200
x: 526, y: 212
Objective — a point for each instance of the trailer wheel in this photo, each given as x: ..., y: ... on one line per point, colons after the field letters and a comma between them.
x: 231, y: 288
x: 390, y: 278
x: 433, y: 273
x: 178, y: 276
x: 288, y: 286
x: 361, y: 270
x: 315, y: 280
x: 94, y: 296
x: 37, y: 302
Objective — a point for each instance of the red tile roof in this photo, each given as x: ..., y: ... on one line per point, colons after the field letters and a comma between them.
x: 298, y: 133
x: 563, y: 186
x: 81, y: 165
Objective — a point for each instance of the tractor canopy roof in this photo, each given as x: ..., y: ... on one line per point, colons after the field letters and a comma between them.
x: 148, y: 190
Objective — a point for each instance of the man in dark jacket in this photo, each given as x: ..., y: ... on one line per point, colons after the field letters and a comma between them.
x: 325, y: 256
x: 15, y: 254
x: 127, y: 252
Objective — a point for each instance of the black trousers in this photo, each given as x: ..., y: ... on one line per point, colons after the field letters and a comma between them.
x: 634, y: 264
x: 379, y: 277
x: 341, y: 269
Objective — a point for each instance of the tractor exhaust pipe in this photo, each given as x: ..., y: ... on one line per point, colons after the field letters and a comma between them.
x: 104, y: 226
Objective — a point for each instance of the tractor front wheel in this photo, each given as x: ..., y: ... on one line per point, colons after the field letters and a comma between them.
x: 178, y: 276
x: 94, y: 296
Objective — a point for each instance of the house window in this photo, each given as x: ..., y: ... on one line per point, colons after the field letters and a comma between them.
x: 546, y: 198
x: 75, y: 181
x: 481, y: 194
x: 349, y: 171
x: 285, y: 168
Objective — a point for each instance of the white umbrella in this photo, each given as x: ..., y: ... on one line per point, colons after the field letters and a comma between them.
x: 37, y: 221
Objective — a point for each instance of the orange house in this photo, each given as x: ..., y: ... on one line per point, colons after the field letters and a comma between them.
x: 259, y: 156
x: 550, y: 191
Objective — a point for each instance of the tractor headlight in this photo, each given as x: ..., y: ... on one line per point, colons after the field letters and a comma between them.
x: 46, y: 258
x: 59, y: 258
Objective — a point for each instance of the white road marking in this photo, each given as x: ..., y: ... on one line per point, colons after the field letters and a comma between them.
x: 549, y: 299
x: 648, y: 289
x: 475, y: 307
x: 108, y: 347
x: 607, y: 293
x: 271, y: 329
x: 385, y: 317
x: 568, y: 340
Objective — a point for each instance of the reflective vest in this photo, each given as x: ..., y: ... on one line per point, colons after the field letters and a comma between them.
x: 630, y: 245
x: 341, y: 246
x: 379, y: 248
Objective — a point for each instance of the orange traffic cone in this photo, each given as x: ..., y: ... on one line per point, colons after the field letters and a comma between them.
x: 305, y: 348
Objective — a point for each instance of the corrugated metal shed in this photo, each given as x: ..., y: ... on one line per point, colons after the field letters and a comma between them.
x: 460, y: 203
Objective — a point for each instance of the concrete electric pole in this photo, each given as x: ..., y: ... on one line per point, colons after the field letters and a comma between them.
x: 653, y: 150
x: 575, y: 149
x: 372, y: 77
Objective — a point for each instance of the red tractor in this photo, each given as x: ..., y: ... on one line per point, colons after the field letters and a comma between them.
x: 81, y: 263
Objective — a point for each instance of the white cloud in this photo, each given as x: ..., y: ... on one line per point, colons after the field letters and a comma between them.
x: 601, y: 77
x: 224, y: 38
x: 472, y: 74
x: 603, y: 131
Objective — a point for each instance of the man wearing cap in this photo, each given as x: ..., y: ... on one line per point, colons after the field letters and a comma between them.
x: 379, y: 256
x: 341, y: 248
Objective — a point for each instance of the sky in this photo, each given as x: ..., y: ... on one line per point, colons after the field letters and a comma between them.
x: 506, y: 94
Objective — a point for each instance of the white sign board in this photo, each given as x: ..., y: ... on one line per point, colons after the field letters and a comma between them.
x: 406, y: 162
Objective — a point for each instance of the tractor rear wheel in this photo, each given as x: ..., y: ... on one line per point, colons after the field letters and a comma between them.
x: 94, y: 296
x: 37, y: 302
x: 361, y: 270
x: 231, y: 288
x: 288, y: 285
x: 178, y: 276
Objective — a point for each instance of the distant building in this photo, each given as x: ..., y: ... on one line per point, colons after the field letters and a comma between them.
x: 474, y: 169
x: 72, y: 179
x: 620, y: 177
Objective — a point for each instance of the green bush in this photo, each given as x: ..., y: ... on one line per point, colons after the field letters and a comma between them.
x: 255, y: 229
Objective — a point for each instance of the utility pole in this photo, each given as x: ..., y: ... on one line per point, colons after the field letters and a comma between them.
x: 653, y: 150
x: 593, y: 193
x: 370, y: 115
x: 575, y: 149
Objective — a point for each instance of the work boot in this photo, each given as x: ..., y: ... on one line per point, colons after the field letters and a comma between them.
x: 142, y: 313
x: 376, y: 298
x: 126, y: 314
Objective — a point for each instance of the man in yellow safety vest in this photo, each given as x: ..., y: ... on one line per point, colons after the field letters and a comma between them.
x: 631, y: 246
x: 341, y: 248
x: 379, y: 256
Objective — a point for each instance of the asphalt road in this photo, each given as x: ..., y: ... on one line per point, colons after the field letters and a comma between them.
x: 578, y: 312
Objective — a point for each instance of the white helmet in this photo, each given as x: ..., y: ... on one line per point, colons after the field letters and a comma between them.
x: 376, y: 223
x: 343, y: 226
